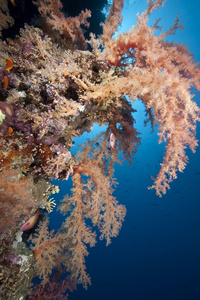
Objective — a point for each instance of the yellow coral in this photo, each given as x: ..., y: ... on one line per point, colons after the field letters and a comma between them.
x: 50, y: 204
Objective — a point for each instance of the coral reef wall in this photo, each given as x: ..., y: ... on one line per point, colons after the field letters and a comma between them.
x: 54, y: 85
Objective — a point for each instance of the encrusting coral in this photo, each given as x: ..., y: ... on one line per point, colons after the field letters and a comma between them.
x: 52, y: 90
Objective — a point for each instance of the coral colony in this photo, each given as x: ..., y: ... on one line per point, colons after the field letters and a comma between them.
x: 52, y: 90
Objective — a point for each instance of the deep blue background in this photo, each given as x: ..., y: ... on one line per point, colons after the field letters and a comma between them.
x: 157, y: 253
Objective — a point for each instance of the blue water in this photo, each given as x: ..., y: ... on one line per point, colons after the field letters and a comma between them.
x: 157, y: 253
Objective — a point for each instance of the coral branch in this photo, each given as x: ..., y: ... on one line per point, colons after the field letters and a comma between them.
x: 47, y: 250
x: 69, y: 27
x: 5, y: 19
x: 161, y: 74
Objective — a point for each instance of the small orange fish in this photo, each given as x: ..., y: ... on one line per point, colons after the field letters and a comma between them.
x: 30, y: 222
x: 5, y: 82
x: 10, y: 130
x: 11, y: 43
x: 9, y: 64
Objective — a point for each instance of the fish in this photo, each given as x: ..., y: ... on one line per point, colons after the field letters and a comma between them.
x: 5, y: 82
x: 30, y: 222
x: 9, y: 64
x: 11, y: 43
x: 6, y: 109
x: 112, y: 141
x: 10, y: 130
